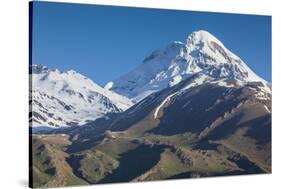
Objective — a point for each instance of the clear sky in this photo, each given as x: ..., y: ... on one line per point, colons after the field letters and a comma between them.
x: 105, y: 42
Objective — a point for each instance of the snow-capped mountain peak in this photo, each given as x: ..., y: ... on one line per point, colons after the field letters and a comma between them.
x: 209, y: 54
x: 65, y: 98
x: 38, y: 68
x: 198, y: 37
x: 201, y: 53
x: 135, y: 82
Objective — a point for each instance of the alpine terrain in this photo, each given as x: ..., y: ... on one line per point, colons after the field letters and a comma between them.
x: 192, y: 109
x: 63, y: 99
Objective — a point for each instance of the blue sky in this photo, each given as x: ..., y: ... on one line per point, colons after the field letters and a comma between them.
x: 105, y: 42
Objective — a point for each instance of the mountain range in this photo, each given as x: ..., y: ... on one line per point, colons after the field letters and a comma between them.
x: 192, y: 109
x: 62, y: 99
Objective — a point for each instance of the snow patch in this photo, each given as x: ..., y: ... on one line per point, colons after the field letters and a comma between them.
x: 175, y: 80
x: 266, y: 108
x: 197, y: 81
x: 109, y: 85
x: 167, y: 99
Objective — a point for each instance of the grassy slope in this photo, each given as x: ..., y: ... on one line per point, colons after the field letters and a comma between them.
x: 136, y: 154
x: 93, y: 165
x: 43, y: 168
x: 48, y: 157
x: 168, y: 166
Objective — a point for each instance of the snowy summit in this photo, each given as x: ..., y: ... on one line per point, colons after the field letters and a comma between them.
x: 201, y: 53
x: 69, y: 98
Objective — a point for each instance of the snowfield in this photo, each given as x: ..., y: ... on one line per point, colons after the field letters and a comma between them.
x: 68, y: 98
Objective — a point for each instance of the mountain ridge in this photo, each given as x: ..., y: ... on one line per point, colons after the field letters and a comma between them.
x: 69, y: 98
x: 166, y: 67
